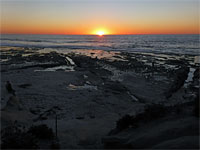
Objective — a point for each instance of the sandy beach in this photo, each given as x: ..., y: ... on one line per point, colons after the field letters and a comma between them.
x: 88, y: 91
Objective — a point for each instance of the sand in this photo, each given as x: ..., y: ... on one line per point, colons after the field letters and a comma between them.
x: 91, y: 90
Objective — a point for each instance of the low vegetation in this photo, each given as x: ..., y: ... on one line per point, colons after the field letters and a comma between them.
x: 196, y: 106
x: 18, y: 137
x: 41, y: 132
x: 150, y: 113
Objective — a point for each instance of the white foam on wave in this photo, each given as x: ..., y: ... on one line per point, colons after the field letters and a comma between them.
x: 65, y: 68
x: 70, y: 60
x: 84, y: 87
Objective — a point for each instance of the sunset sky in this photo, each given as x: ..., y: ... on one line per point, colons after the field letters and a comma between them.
x: 92, y: 16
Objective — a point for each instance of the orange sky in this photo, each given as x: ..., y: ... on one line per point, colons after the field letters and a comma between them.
x: 88, y: 17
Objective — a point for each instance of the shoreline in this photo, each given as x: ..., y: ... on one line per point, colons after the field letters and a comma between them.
x: 139, y: 51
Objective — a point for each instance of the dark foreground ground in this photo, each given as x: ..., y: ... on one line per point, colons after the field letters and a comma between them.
x: 98, y: 99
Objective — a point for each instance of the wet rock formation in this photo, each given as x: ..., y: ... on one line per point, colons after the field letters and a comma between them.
x: 181, y: 75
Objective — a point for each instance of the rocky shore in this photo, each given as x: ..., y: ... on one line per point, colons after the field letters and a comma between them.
x: 100, y: 99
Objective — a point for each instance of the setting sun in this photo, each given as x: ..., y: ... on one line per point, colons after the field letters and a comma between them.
x: 100, y: 33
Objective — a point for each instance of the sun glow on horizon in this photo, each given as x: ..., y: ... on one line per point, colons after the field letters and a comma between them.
x: 100, y: 17
x: 100, y: 32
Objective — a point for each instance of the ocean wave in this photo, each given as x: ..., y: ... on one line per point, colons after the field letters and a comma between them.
x: 56, y: 46
x: 23, y: 40
x: 187, y: 44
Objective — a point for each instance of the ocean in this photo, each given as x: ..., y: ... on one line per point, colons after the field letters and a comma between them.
x: 175, y: 44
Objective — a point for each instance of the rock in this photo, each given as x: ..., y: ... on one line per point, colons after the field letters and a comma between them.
x: 114, y: 143
x: 115, y: 86
x: 9, y: 88
x: 49, y: 113
x: 24, y: 85
x: 186, y: 142
x: 13, y: 103
x: 15, y: 111
x: 79, y: 117
x: 179, y: 80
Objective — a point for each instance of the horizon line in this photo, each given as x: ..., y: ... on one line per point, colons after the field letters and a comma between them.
x: 103, y: 35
